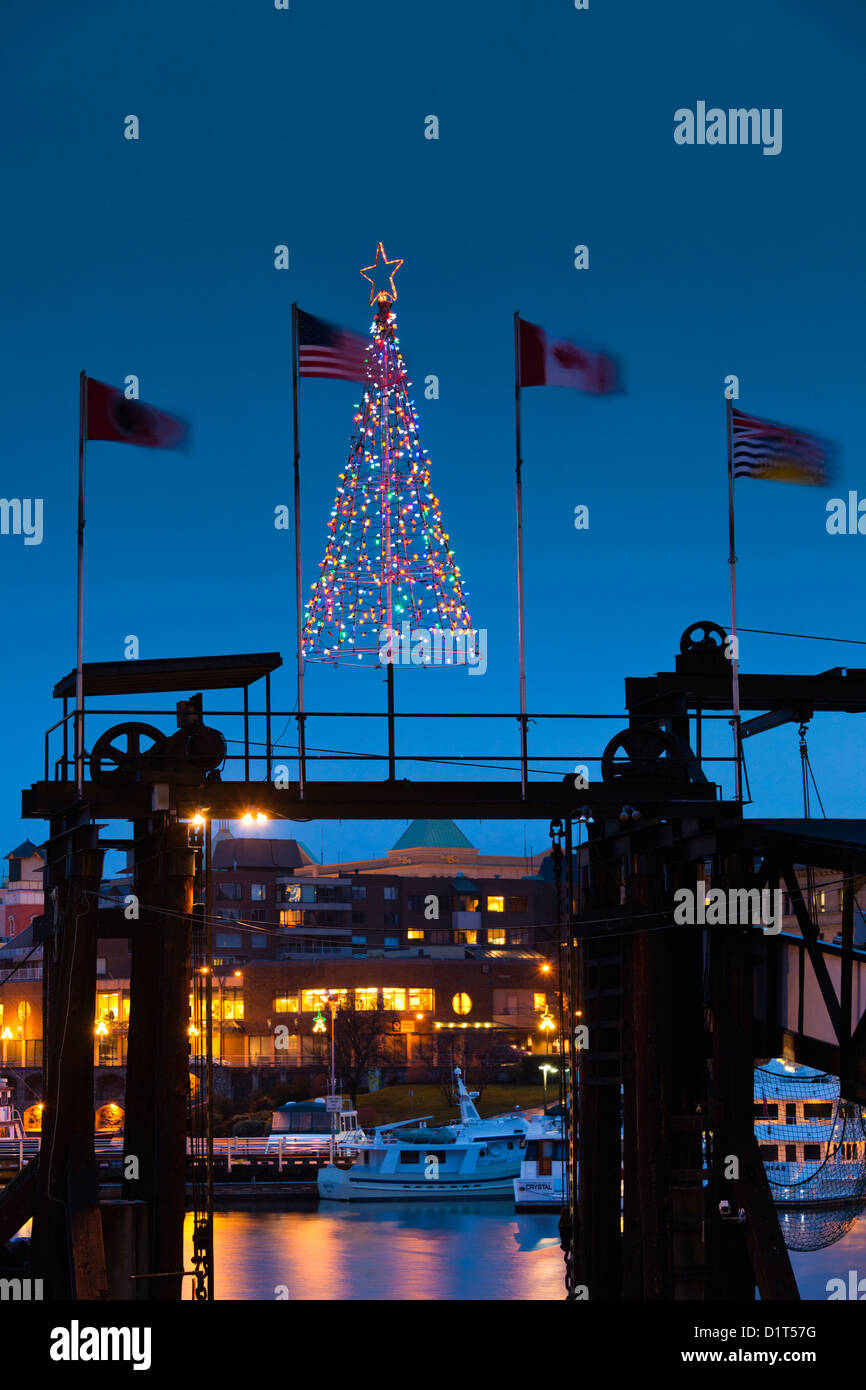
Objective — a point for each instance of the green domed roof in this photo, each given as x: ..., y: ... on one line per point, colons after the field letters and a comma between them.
x: 432, y: 834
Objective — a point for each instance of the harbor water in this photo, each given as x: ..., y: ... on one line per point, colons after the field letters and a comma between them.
x: 420, y: 1250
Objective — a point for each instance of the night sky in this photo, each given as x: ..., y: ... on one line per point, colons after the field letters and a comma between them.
x: 305, y: 127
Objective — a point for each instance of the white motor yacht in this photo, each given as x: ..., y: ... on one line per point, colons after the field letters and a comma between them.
x: 470, y: 1158
x: 541, y: 1183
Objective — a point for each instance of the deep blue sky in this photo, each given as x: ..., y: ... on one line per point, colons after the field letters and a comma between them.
x: 306, y: 127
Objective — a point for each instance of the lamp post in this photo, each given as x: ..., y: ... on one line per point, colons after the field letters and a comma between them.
x: 331, y: 997
x: 544, y: 1069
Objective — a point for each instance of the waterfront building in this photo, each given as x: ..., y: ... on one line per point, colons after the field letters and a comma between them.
x: 21, y: 894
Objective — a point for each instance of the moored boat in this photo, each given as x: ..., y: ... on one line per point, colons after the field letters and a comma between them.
x: 540, y: 1185
x: 472, y: 1158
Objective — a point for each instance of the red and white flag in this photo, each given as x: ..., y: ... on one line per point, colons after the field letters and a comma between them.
x: 110, y: 415
x: 325, y: 349
x: 546, y: 361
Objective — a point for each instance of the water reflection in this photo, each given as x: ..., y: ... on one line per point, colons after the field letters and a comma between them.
x: 392, y: 1251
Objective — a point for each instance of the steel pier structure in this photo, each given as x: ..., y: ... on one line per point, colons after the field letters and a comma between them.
x: 667, y: 1196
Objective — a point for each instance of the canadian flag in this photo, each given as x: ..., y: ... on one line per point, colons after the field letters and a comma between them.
x: 110, y: 415
x: 546, y: 361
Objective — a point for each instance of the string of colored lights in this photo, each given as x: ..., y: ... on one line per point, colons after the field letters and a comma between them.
x: 387, y: 559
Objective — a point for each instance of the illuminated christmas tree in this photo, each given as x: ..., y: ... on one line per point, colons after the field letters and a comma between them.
x: 388, y: 565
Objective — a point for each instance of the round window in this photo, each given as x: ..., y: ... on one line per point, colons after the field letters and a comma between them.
x: 461, y: 1004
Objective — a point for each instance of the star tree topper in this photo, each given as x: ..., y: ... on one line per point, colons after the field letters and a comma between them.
x: 383, y: 283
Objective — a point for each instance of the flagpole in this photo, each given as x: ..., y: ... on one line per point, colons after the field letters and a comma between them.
x: 732, y: 562
x: 79, y: 658
x: 520, y: 617
x: 302, y: 742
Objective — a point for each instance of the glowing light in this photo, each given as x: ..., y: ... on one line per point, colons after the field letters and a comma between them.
x: 319, y: 1024
x: 101, y: 1028
x: 546, y: 1023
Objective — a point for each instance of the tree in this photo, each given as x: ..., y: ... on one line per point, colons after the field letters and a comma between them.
x: 387, y: 560
x: 359, y: 1039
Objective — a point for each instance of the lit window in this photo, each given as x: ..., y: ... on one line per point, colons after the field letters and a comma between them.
x: 107, y: 1006
x: 366, y: 999
x: 314, y: 1000
x: 495, y: 904
x: 394, y: 999
x: 285, y: 1003
x: 421, y: 999
x: 291, y: 917
x: 496, y: 936
x: 461, y: 1004
x: 233, y: 1004
x: 259, y: 892
x: 414, y: 935
x: 465, y: 938
x: 539, y: 1003
x: 822, y: 901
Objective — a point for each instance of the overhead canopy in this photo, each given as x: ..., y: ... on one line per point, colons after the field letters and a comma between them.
x: 171, y: 673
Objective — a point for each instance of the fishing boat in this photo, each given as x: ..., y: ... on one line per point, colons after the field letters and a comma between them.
x: 540, y: 1185
x: 470, y: 1158
x: 305, y: 1126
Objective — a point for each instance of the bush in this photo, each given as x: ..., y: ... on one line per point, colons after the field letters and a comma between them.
x: 249, y: 1128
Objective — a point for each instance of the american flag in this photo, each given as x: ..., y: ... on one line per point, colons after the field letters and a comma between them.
x: 325, y: 349
x: 780, y: 453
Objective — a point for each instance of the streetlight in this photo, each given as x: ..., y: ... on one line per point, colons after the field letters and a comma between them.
x: 544, y: 1069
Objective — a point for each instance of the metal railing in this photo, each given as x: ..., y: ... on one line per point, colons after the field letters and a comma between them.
x: 277, y: 754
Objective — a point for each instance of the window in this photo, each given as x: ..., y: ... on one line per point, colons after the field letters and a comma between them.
x: 517, y: 905
x: 768, y: 1152
x: 359, y: 940
x: 358, y: 894
x: 539, y: 1003
x: 227, y: 938
x: 765, y: 1111
x: 359, y: 918
x: 259, y: 892
x: 233, y: 1003
x: 392, y: 919
x: 465, y: 902
x: 496, y: 904
x: 518, y: 938
x: 288, y: 893
x: 496, y: 936
x: 229, y: 892
x: 390, y: 894
x: 410, y: 1156
x: 421, y: 999
x: 812, y: 1151
x: 790, y: 1113
x: 229, y: 914
x: 818, y: 1110
x: 258, y: 914
x: 414, y: 935
x: 465, y: 938
x: 394, y: 999
x: 313, y: 1000
x: 461, y: 1004
x: 366, y: 999
x: 416, y: 903
x: 107, y: 1006
x: 392, y: 943
x: 258, y: 940
x: 822, y: 901
x: 291, y: 917
x: 286, y: 1003
x: 790, y: 1153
